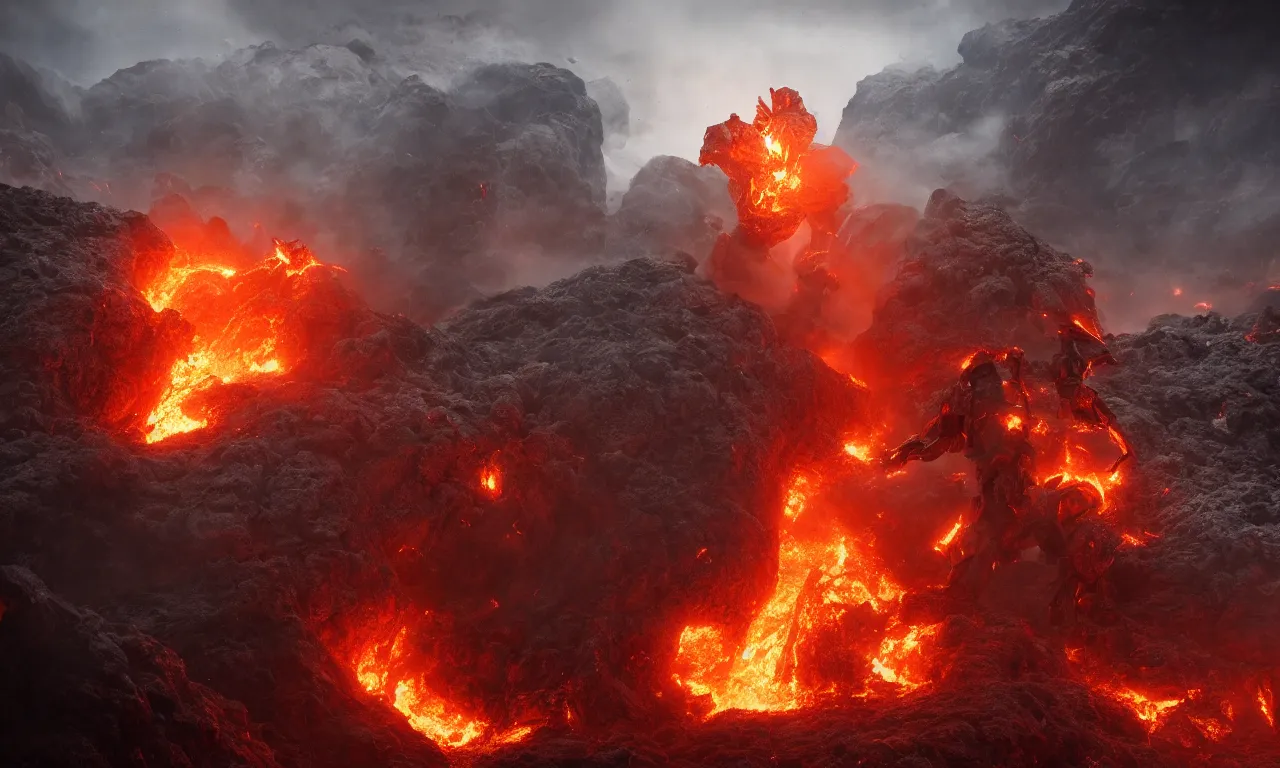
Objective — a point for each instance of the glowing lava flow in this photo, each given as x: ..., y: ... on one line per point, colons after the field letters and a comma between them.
x: 819, y: 581
x: 1068, y: 473
x: 945, y: 542
x: 449, y: 726
x: 237, y: 334
x: 1267, y: 703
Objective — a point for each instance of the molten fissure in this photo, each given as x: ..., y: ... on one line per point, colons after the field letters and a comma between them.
x: 381, y: 668
x: 830, y: 628
x: 237, y: 312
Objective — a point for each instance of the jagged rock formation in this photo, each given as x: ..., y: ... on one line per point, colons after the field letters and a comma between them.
x: 673, y: 206
x: 970, y: 278
x: 493, y: 182
x: 79, y: 691
x: 637, y: 416
x: 1200, y: 400
x: 499, y: 181
x: 1105, y: 141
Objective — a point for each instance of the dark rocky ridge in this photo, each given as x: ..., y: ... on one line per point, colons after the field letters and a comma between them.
x: 495, y: 181
x: 638, y: 415
x: 1138, y: 133
x: 969, y: 278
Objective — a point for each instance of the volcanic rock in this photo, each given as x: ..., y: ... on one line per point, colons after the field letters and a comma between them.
x: 636, y: 417
x: 498, y: 181
x: 32, y: 100
x: 77, y: 338
x: 673, y: 206
x: 971, y: 278
x: 1201, y: 404
x: 1117, y: 146
x: 79, y: 691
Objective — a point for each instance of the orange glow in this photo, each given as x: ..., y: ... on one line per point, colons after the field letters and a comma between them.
x: 236, y: 336
x: 1267, y: 703
x: 1151, y: 712
x: 1068, y: 473
x: 491, y: 480
x: 1092, y: 331
x: 1131, y: 540
x: 859, y: 451
x: 1177, y: 291
x: 1212, y: 728
x: 797, y: 497
x: 819, y: 580
x: 857, y: 382
x: 773, y: 190
x: 1013, y: 423
x: 965, y: 363
x: 945, y: 541
x: 1203, y: 306
x: 449, y: 726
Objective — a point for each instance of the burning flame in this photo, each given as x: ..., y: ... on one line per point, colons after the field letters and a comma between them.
x: 1013, y: 423
x: 235, y: 339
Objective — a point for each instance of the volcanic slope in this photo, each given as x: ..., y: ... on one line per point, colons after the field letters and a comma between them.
x: 1105, y: 140
x: 521, y: 496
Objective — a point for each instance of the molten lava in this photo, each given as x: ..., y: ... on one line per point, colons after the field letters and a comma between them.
x: 831, y: 592
x: 491, y: 479
x: 237, y: 315
x: 380, y: 669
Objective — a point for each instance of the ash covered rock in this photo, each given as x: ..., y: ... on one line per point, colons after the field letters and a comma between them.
x: 1201, y: 404
x: 970, y: 278
x: 673, y: 206
x: 636, y: 416
x: 495, y: 181
x: 80, y: 691
x: 33, y: 100
x: 498, y: 181
x: 76, y: 338
x: 1105, y: 139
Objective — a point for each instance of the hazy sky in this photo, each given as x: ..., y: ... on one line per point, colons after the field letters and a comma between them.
x: 683, y: 64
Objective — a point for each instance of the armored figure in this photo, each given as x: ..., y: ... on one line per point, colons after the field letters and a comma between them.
x: 1080, y: 352
x: 986, y: 416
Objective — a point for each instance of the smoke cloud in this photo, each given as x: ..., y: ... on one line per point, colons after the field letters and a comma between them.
x: 682, y: 65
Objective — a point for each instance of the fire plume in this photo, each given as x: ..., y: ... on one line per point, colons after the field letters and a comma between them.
x: 238, y: 336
